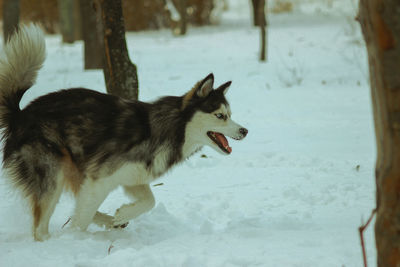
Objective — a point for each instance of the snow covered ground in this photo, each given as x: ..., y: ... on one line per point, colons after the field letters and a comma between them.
x: 293, y: 193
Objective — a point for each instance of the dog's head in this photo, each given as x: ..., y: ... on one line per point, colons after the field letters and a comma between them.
x: 211, y: 120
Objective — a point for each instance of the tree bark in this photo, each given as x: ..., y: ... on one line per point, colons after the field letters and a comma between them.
x: 77, y: 20
x: 183, y: 17
x: 257, y: 12
x: 380, y: 23
x: 66, y: 11
x: 91, y: 31
x: 262, y: 23
x: 119, y: 72
x: 10, y: 17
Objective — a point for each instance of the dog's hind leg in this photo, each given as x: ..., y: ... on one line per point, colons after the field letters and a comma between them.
x: 89, y: 198
x: 102, y: 219
x: 43, y: 208
x: 144, y: 202
x: 36, y: 171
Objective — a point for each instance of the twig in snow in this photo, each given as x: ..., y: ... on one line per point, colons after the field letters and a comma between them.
x: 361, y: 230
x: 109, y: 248
x: 66, y: 223
x: 158, y: 184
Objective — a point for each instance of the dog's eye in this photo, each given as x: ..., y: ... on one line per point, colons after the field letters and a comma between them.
x: 219, y: 115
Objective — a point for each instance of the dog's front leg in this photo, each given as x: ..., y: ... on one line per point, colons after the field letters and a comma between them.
x: 144, y: 202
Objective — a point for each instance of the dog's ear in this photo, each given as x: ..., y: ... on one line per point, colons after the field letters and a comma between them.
x: 201, y: 89
x: 225, y: 87
x: 205, y: 86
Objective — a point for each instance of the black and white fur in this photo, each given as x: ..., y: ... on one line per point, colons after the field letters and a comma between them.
x: 91, y: 142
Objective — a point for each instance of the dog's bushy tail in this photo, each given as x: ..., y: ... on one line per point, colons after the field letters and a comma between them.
x: 20, y: 61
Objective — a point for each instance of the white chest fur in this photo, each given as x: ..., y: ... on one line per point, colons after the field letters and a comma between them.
x: 135, y: 173
x: 131, y: 174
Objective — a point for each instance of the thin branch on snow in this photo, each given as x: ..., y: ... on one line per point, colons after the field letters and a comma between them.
x: 109, y: 248
x: 361, y: 230
x: 62, y: 227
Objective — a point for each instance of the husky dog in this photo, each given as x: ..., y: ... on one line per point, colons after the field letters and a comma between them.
x: 91, y: 142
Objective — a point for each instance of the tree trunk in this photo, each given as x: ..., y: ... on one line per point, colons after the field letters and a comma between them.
x: 380, y: 23
x: 91, y: 31
x: 255, y: 11
x: 77, y: 19
x: 262, y: 23
x: 119, y: 72
x: 66, y: 11
x: 183, y: 17
x: 258, y: 11
x: 10, y: 17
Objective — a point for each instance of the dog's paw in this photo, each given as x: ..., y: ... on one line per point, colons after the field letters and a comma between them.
x: 40, y: 236
x: 121, y: 217
x: 102, y: 219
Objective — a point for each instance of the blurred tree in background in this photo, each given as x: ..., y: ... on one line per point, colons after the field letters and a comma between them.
x: 258, y: 12
x: 262, y: 23
x: 138, y: 14
x: 67, y: 17
x: 92, y: 35
x: 10, y: 17
x: 182, y: 8
x: 42, y: 11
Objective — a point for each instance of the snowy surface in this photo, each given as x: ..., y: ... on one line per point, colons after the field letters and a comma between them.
x: 293, y: 193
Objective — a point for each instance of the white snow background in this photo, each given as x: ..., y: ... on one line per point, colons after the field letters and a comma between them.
x: 292, y: 193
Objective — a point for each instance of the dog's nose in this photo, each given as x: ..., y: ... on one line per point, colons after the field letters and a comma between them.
x: 243, y: 131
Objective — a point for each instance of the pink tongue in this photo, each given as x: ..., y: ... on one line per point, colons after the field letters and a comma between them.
x: 221, y: 138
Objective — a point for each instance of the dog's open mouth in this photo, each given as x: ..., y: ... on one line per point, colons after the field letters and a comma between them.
x: 220, y: 140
